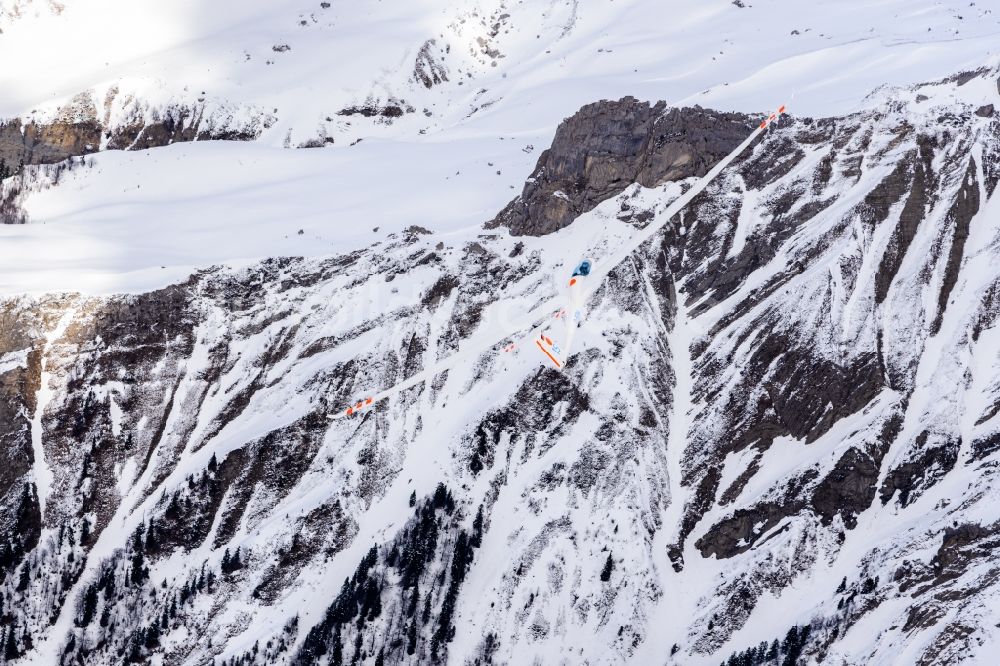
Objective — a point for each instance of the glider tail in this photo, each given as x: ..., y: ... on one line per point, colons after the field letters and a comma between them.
x: 556, y: 345
x: 554, y: 352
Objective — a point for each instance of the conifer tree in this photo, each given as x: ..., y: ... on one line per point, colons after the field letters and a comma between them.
x: 137, y: 574
x: 337, y: 651
x: 11, y: 652
x: 477, y: 528
x: 414, y: 600
x: 89, y: 607
x: 411, y: 637
x: 440, y: 496
x: 609, y: 566
x: 235, y: 563
x: 153, y: 636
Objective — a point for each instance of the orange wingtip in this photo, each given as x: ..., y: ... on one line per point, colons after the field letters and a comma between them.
x: 781, y: 109
x: 546, y: 352
x: 572, y: 281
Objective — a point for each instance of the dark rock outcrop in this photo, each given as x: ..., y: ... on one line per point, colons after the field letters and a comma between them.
x: 802, y: 396
x: 849, y: 488
x: 746, y: 527
x: 18, y: 389
x: 954, y: 555
x: 909, y: 219
x: 926, y: 468
x: 945, y: 581
x: 81, y: 128
x: 964, y: 208
x: 607, y: 146
x: 428, y: 67
x: 392, y: 108
x: 46, y: 144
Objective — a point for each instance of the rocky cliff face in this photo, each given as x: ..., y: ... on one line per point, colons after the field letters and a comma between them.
x: 115, y: 119
x: 608, y: 146
x: 778, y: 437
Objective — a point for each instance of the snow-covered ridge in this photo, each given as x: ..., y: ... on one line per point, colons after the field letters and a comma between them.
x: 794, y: 431
x: 503, y: 75
x: 126, y: 115
x: 782, y: 424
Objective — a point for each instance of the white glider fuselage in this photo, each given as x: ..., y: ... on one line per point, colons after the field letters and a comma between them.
x: 556, y: 341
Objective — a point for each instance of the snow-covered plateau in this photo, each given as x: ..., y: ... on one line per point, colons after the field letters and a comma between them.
x: 224, y: 222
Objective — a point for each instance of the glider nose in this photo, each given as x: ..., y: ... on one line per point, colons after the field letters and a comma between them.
x: 582, y: 269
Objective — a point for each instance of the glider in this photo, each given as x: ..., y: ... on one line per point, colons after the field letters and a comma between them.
x: 571, y: 316
x: 586, y: 278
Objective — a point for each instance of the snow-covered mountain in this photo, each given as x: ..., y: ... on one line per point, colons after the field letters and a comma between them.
x: 352, y: 77
x: 774, y: 444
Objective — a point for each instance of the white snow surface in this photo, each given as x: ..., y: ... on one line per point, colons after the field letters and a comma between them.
x: 133, y: 221
x: 139, y: 220
x: 564, y: 498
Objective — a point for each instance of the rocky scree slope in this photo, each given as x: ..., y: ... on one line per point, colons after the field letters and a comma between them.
x: 778, y: 437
